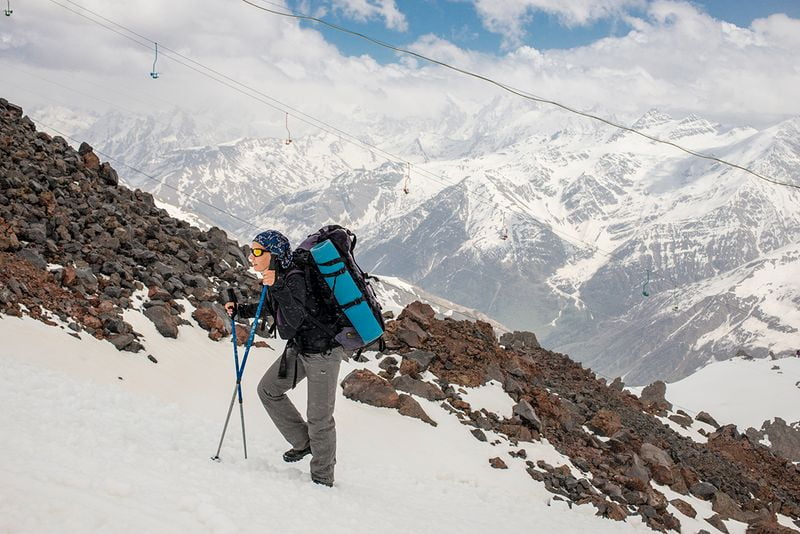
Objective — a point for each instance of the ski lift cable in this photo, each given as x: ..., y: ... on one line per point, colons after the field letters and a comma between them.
x: 68, y: 88
x: 225, y: 212
x: 247, y: 223
x: 392, y: 157
x: 308, y: 119
x: 521, y: 93
x: 279, y: 105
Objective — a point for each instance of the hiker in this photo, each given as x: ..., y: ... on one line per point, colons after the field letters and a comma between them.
x: 310, y: 353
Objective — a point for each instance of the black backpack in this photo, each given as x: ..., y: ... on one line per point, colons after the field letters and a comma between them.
x: 324, y: 312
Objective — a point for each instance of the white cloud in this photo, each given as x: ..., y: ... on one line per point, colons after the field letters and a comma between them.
x: 364, y: 10
x: 677, y: 58
x: 510, y: 17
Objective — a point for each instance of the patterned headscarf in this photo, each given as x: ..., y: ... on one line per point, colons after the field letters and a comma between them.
x: 276, y: 244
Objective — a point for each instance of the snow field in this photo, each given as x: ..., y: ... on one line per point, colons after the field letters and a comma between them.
x: 85, y: 451
x: 745, y: 393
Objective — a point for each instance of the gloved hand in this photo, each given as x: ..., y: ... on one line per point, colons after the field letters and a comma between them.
x: 230, y: 307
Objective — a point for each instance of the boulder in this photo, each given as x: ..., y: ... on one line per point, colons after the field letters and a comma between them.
x: 653, y: 397
x: 409, y: 407
x: 423, y: 358
x: 617, y: 384
x: 527, y: 413
x: 727, y: 508
x: 479, y: 434
x: 716, y: 521
x: 426, y: 390
x: 684, y: 507
x: 165, y: 322
x: 769, y: 526
x: 420, y: 313
x: 703, y: 490
x: 122, y: 341
x: 33, y: 257
x: 654, y: 455
x: 497, y: 463
x: 520, y: 340
x: 637, y: 470
x: 8, y: 238
x: 210, y: 320
x: 365, y: 386
x: 605, y: 422
x: 387, y: 362
x: 705, y: 417
x: 411, y: 334
x: 107, y: 173
x: 683, y: 420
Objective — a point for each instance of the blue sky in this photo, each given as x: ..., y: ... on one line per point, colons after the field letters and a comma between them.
x: 459, y: 22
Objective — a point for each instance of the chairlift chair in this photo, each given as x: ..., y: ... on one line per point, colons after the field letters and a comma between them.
x: 153, y: 73
x: 288, y: 140
x: 8, y: 11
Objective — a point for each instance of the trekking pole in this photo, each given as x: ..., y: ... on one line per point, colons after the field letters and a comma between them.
x: 239, y: 372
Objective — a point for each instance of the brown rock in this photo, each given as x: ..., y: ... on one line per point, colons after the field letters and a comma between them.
x: 409, y: 407
x: 209, y: 320
x: 8, y: 238
x: 420, y: 313
x: 365, y: 386
x: 164, y: 321
x: 459, y: 404
x: 91, y: 161
x: 411, y: 334
x: 716, y: 521
x: 684, y: 507
x: 241, y: 335
x: 653, y: 397
x: 683, y: 420
x: 422, y: 389
x: 653, y: 455
x: 409, y: 367
x: 157, y: 293
x: 727, y: 508
x: 768, y: 526
x: 662, y: 475
x: 605, y: 422
x: 615, y: 511
x: 705, y: 417
x: 69, y: 277
x: 497, y: 463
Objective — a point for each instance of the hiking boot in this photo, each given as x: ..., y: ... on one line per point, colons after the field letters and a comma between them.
x: 322, y: 482
x: 295, y: 455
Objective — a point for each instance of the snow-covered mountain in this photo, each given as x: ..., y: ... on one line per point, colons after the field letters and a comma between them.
x: 595, y: 217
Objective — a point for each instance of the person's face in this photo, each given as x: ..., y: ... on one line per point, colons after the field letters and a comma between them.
x: 259, y: 263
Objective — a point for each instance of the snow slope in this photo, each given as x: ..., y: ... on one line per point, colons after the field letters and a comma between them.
x: 101, y: 440
x: 743, y: 392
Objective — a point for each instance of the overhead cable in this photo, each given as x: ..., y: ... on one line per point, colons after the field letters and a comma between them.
x: 521, y: 93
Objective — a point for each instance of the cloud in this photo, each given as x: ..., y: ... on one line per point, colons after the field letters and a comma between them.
x: 677, y: 58
x: 510, y: 17
x: 365, y: 10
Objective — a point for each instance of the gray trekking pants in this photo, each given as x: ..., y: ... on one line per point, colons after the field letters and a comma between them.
x: 322, y: 371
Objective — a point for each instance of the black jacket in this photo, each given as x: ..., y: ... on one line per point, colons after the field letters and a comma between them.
x: 290, y: 305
